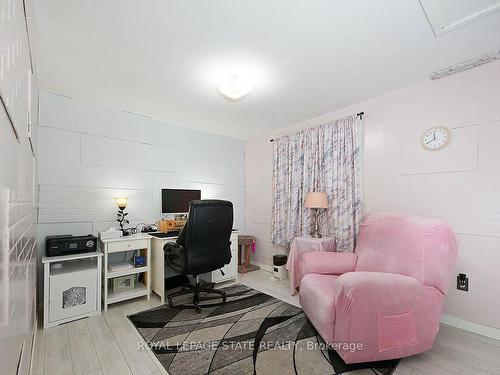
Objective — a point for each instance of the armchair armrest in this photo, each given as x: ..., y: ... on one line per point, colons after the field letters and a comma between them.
x: 327, y: 263
x: 391, y: 314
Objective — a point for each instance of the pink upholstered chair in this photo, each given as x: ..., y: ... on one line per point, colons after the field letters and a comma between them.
x: 388, y: 295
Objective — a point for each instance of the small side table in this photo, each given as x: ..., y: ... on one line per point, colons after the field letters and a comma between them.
x: 72, y: 287
x: 245, y: 244
x: 136, y: 242
x: 299, y: 246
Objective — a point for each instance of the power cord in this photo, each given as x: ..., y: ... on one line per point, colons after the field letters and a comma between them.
x: 125, y: 255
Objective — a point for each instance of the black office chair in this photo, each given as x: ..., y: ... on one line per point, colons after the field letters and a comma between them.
x: 202, y: 246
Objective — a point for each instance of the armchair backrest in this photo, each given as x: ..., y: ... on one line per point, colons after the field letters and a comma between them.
x: 409, y: 245
x: 206, y: 236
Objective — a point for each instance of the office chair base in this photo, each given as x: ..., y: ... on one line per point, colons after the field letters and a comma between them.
x: 196, y: 289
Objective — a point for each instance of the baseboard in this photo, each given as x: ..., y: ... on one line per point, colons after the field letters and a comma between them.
x: 35, y: 338
x: 466, y: 325
x: 262, y: 266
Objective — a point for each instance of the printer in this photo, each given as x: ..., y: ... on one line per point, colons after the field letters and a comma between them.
x: 68, y: 244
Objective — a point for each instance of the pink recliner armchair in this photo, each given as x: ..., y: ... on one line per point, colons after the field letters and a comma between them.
x: 388, y: 295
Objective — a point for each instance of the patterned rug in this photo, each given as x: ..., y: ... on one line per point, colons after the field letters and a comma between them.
x: 252, y: 333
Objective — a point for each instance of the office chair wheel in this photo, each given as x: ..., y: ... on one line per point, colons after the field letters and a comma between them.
x: 170, y: 302
x: 198, y: 309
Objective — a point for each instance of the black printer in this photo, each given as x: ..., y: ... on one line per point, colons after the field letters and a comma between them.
x: 68, y: 244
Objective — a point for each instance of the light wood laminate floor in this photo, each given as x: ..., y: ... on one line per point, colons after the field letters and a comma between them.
x: 108, y: 343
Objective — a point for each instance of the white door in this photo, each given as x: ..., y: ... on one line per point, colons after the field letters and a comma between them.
x: 72, y: 294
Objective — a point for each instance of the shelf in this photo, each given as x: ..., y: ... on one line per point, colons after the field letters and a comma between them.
x: 139, y: 291
x: 63, y: 258
x: 78, y: 265
x: 131, y: 271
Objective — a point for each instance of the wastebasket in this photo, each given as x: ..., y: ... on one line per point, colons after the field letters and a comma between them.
x: 279, y: 266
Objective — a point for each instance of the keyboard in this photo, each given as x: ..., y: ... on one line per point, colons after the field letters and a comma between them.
x: 172, y: 233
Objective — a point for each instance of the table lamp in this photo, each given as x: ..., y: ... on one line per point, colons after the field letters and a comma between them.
x: 316, y: 200
x: 121, y: 202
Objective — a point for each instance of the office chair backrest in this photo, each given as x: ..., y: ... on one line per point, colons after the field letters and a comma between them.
x: 206, y: 236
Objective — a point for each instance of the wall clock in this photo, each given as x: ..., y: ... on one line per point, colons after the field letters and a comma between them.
x: 436, y: 138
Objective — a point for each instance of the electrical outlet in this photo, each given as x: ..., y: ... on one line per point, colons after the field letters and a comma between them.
x: 462, y: 282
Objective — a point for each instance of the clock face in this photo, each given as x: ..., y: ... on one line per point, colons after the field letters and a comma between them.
x: 435, y: 138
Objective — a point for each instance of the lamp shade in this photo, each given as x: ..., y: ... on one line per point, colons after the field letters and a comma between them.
x: 316, y: 199
x: 121, y: 202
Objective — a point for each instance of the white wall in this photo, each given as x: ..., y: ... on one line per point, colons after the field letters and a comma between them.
x: 90, y: 154
x: 17, y: 199
x: 460, y: 185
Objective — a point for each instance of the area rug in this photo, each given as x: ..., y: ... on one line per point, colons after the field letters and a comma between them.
x: 252, y: 333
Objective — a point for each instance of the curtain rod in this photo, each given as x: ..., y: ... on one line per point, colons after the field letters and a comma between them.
x: 360, y: 115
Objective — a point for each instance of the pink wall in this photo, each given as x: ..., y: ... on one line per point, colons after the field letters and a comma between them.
x: 460, y: 184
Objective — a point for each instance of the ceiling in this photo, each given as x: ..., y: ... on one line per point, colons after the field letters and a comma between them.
x: 165, y: 58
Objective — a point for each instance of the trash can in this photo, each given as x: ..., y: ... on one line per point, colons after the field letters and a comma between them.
x: 279, y: 266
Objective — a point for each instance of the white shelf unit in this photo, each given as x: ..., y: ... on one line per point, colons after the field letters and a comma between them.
x: 72, y: 287
x: 139, y: 242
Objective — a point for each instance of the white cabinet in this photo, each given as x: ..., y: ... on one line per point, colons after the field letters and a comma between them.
x: 72, y: 294
x: 158, y: 266
x: 230, y: 270
x: 72, y: 287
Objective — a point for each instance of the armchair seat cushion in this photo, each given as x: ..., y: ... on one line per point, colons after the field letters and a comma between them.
x: 317, y: 297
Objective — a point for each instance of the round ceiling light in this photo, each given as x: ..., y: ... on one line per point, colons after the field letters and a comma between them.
x: 234, y: 88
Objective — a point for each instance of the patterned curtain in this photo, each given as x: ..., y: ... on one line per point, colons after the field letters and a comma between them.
x: 325, y: 158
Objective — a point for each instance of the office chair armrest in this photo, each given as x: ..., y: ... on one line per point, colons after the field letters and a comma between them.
x: 172, y: 247
x: 174, y: 256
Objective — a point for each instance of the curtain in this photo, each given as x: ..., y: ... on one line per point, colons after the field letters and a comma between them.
x: 325, y: 158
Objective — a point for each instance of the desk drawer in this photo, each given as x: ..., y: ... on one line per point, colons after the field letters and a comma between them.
x: 127, y: 245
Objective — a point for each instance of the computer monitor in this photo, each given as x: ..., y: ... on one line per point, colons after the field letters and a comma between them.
x: 176, y: 201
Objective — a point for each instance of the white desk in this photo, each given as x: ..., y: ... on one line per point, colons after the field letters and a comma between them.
x: 126, y: 243
x: 158, y: 265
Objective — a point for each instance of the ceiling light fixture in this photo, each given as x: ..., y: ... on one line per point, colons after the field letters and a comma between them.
x: 465, y: 65
x: 234, y: 88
